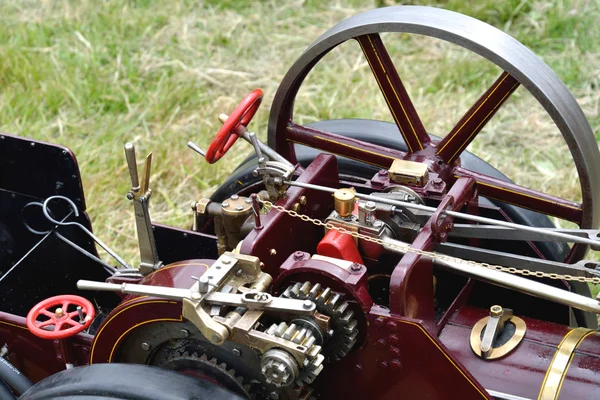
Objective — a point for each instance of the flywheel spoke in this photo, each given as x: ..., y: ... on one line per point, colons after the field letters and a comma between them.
x: 369, y: 153
x: 393, y: 91
x: 476, y: 118
x: 520, y: 196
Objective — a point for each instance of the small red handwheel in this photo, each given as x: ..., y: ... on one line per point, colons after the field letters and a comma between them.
x: 60, y: 323
x: 234, y: 126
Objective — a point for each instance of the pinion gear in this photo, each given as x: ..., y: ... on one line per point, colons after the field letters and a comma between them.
x: 313, y: 364
x: 329, y: 303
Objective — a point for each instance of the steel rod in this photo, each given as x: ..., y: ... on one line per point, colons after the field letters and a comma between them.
x: 509, y: 281
x: 565, y: 237
x: 131, y: 288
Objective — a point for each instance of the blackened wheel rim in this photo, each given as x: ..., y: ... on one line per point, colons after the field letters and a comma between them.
x: 520, y: 66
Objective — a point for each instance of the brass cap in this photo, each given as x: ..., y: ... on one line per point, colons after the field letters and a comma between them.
x: 344, y: 200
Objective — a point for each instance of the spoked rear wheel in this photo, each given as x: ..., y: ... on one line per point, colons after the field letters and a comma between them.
x: 520, y: 67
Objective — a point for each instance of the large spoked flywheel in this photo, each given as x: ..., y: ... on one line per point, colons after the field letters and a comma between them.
x: 520, y: 68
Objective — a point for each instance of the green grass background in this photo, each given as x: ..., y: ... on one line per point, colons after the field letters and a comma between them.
x: 92, y: 75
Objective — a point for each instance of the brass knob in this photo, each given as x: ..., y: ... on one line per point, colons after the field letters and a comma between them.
x: 344, y: 200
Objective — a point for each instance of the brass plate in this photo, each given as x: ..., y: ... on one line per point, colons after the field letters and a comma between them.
x: 560, y: 363
x: 507, y: 347
x: 408, y: 172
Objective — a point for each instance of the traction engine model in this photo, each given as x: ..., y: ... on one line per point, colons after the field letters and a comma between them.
x: 345, y: 259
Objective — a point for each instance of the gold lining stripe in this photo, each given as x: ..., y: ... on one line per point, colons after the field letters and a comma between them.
x: 180, y: 319
x: 523, y: 194
x: 395, y: 92
x: 473, y: 113
x: 344, y: 155
x: 15, y: 325
x: 384, y: 95
x: 560, y: 363
x: 114, y: 316
x: 461, y: 148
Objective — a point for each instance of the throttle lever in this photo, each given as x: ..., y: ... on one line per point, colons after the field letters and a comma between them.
x: 140, y: 195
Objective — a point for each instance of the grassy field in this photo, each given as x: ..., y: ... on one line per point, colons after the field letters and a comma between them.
x: 92, y: 75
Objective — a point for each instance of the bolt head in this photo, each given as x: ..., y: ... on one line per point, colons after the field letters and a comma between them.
x: 224, y: 204
x: 216, y: 337
x: 234, y: 197
x: 130, y: 196
x: 495, y: 311
x: 185, y: 333
x: 236, y: 352
x: 377, y: 223
x: 272, y: 252
x: 355, y: 267
x: 307, y: 304
x: 382, y: 172
x: 145, y: 346
x: 239, y: 208
x: 225, y: 260
x: 298, y: 255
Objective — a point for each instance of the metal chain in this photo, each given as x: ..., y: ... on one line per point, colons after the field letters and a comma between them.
x: 406, y: 248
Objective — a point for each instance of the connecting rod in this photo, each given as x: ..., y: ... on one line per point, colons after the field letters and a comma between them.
x: 475, y: 218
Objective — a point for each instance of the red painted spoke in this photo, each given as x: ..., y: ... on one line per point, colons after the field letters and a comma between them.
x: 69, y: 321
x: 45, y: 323
x: 476, y: 118
x: 393, y: 91
x: 373, y: 154
x: 65, y: 306
x: 74, y: 314
x: 47, y: 313
x: 520, y: 196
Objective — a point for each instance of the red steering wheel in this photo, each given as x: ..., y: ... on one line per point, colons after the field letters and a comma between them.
x: 234, y: 127
x: 56, y: 311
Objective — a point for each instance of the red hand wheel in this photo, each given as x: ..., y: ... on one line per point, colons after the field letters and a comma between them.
x: 234, y: 127
x: 60, y: 323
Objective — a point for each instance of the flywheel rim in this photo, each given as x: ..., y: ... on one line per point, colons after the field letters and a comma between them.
x: 476, y: 36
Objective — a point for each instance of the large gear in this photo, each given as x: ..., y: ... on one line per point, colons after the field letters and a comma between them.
x: 329, y: 303
x: 210, y: 368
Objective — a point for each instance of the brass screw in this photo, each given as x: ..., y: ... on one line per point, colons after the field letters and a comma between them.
x: 296, y: 207
x: 272, y: 252
x: 59, y: 312
x: 495, y: 311
x: 302, y: 200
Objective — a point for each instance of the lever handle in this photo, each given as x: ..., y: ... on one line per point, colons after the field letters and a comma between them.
x: 197, y: 149
x: 132, y: 164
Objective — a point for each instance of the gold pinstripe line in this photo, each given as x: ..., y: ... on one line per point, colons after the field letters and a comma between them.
x: 474, y: 112
x: 483, y: 121
x: 395, y: 92
x: 385, y: 97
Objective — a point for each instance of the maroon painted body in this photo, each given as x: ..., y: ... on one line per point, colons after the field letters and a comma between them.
x: 402, y: 352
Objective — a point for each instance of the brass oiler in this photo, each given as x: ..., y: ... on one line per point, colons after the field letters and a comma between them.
x: 344, y: 200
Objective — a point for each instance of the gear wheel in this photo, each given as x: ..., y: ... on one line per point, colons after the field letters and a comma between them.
x: 210, y: 369
x: 329, y: 303
x: 313, y: 364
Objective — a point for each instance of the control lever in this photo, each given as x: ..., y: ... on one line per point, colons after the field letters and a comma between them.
x: 140, y: 195
x: 495, y: 325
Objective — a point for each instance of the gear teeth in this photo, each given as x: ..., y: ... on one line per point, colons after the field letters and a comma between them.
x: 324, y: 295
x: 305, y: 288
x: 314, y: 292
x: 343, y: 324
x: 219, y: 370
